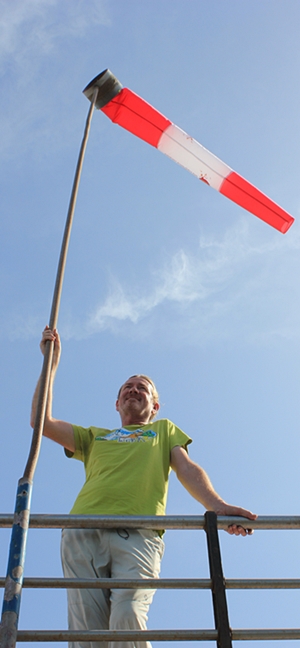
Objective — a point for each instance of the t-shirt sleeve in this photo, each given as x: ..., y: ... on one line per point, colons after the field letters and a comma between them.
x: 177, y: 437
x: 82, y: 438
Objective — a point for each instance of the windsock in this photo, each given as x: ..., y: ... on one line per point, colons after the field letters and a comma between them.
x: 130, y: 111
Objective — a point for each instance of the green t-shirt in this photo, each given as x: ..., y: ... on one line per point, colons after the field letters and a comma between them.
x: 126, y: 469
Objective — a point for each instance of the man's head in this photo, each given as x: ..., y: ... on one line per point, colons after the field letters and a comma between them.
x: 138, y: 400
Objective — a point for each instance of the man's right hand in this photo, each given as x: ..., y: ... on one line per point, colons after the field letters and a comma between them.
x: 59, y: 431
x: 53, y: 336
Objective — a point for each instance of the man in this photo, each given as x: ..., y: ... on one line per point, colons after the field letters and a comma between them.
x: 126, y: 474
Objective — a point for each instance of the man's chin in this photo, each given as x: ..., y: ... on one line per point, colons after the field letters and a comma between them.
x: 132, y: 405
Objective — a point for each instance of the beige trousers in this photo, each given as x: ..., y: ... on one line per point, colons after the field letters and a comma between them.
x: 110, y: 553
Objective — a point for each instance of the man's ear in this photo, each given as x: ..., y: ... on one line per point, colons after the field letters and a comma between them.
x: 117, y: 405
x: 156, y: 407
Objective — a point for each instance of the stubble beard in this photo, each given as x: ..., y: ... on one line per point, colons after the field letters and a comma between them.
x: 135, y: 409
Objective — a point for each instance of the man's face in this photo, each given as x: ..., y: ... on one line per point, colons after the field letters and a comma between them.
x: 136, y: 401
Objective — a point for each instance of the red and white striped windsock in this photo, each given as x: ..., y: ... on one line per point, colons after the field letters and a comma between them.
x: 130, y: 111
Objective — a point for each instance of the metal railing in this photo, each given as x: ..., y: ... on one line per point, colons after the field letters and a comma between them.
x: 222, y: 635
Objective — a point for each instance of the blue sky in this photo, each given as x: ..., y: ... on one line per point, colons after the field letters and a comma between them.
x: 165, y: 276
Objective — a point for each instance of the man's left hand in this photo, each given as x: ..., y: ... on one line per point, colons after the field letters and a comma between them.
x: 237, y: 529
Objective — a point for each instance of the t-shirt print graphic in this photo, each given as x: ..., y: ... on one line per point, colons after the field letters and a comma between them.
x: 128, y: 436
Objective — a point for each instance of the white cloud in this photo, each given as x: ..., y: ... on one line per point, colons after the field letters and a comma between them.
x: 220, y: 291
x: 231, y: 289
x: 176, y: 284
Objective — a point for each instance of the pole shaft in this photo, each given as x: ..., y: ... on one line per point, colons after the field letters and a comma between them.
x: 15, y: 568
x: 14, y: 579
x: 46, y: 370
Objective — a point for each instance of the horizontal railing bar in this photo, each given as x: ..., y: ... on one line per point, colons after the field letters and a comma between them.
x: 158, y: 522
x: 264, y: 522
x: 262, y: 583
x: 266, y: 635
x: 40, y: 521
x: 157, y: 583
x: 116, y: 583
x: 156, y: 635
x: 117, y: 635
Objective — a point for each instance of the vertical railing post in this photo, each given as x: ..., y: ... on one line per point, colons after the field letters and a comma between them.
x: 218, y: 584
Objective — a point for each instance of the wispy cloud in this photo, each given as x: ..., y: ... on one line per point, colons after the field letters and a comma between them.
x: 230, y: 285
x: 175, y: 282
x: 231, y: 289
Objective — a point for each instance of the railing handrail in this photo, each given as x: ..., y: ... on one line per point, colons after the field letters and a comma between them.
x: 53, y: 521
x: 157, y: 583
x: 223, y: 635
x: 157, y: 635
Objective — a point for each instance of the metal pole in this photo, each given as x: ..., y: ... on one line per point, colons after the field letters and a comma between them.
x: 129, y: 637
x: 154, y: 635
x: 15, y: 569
x: 50, y: 521
x: 38, y: 428
x: 218, y: 584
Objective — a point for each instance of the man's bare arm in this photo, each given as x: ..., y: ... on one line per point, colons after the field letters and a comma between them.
x: 59, y: 431
x: 198, y: 484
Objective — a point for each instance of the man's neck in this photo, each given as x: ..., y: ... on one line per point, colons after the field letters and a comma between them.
x: 132, y: 420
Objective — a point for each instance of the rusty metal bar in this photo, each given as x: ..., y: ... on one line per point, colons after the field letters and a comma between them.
x: 218, y: 586
x: 40, y: 521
